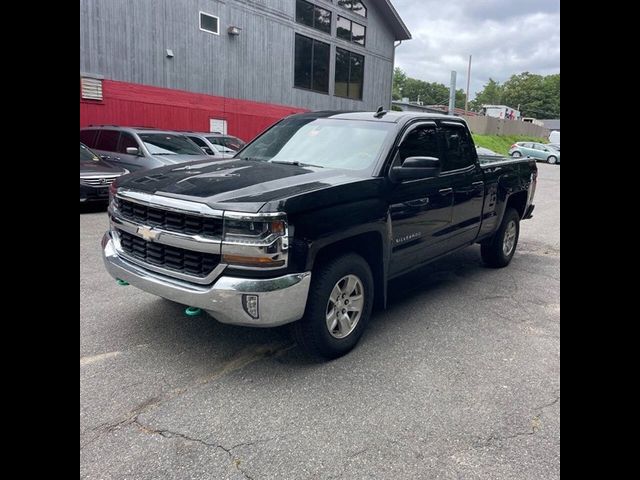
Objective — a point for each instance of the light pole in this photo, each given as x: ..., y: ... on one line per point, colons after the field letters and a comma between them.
x: 466, y: 100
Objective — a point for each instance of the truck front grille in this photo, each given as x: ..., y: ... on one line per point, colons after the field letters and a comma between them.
x: 170, y: 220
x: 198, y: 264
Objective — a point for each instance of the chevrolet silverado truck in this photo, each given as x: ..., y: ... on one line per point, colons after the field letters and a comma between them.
x: 310, y: 221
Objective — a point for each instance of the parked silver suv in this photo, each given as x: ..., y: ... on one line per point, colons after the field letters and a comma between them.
x: 136, y: 148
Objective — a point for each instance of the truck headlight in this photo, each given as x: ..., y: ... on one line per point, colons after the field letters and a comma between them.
x: 112, y: 193
x: 255, y: 242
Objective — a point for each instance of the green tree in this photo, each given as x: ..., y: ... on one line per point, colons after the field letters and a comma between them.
x: 538, y: 96
x: 399, y: 79
x: 491, y: 94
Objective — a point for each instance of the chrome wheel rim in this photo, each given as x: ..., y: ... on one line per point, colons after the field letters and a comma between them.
x: 516, y: 154
x: 552, y: 160
x: 345, y: 306
x: 509, y: 241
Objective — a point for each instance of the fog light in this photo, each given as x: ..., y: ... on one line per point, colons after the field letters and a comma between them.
x: 250, y: 305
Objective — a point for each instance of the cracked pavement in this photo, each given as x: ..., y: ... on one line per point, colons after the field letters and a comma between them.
x: 458, y: 379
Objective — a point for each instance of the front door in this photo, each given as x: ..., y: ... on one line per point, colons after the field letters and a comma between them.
x: 421, y: 210
x: 131, y: 162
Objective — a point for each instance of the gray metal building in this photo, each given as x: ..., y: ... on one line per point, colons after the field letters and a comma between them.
x: 306, y: 55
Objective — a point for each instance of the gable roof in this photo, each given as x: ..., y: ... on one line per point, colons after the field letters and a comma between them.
x: 399, y: 29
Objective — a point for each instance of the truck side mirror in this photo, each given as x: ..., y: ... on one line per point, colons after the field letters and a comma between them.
x: 133, y: 151
x: 415, y: 168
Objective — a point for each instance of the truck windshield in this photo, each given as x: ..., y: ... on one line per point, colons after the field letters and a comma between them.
x: 323, y: 142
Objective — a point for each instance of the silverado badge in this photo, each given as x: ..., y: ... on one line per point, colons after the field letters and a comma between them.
x: 148, y: 233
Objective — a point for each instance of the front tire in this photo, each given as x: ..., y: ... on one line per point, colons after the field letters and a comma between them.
x: 552, y: 160
x: 498, y: 251
x: 516, y: 154
x: 338, y: 307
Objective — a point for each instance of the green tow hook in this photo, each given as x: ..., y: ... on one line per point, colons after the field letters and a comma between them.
x: 192, y: 311
x: 121, y: 282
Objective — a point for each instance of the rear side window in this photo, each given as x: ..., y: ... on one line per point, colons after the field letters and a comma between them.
x: 88, y: 137
x: 127, y: 140
x: 108, y: 140
x: 457, y: 149
x: 198, y: 141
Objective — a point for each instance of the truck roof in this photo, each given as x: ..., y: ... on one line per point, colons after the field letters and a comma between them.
x: 388, y: 117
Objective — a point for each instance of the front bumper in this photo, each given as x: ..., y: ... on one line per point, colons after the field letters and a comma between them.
x: 88, y: 193
x: 281, y: 300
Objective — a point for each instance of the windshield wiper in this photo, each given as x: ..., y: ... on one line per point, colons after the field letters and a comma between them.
x: 296, y: 163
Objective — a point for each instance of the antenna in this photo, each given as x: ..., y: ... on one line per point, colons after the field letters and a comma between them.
x: 381, y: 112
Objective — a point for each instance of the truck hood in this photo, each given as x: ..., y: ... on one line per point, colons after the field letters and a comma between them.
x: 247, y: 186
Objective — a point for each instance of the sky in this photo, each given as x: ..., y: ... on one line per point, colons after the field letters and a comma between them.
x: 505, y: 37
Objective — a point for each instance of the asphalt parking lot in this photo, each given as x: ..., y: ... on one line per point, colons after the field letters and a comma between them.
x: 458, y: 379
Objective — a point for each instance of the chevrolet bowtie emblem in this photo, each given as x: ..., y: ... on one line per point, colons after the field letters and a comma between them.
x: 148, y: 233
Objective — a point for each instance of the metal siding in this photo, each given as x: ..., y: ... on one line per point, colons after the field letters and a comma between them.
x: 126, y: 40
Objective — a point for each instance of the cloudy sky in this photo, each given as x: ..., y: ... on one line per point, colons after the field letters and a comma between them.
x: 504, y: 37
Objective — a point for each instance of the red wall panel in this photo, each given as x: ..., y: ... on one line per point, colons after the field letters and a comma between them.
x: 130, y: 104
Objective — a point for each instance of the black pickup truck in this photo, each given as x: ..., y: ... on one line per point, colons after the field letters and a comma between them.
x: 309, y: 222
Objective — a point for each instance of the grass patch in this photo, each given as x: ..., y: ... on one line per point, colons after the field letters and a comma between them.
x: 501, y: 144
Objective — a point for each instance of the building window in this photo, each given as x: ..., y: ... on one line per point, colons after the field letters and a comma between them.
x: 350, y: 31
x: 349, y: 74
x: 209, y: 23
x: 356, y: 6
x: 91, y: 88
x: 313, y: 16
x: 311, y: 64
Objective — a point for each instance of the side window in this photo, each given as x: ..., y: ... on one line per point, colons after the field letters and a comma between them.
x: 127, y: 140
x: 198, y: 141
x: 421, y: 142
x: 457, y: 149
x: 88, y: 137
x: 108, y: 140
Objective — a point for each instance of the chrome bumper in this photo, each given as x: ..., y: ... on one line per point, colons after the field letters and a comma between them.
x: 281, y: 300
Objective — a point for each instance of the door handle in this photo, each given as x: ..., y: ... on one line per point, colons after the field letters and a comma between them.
x: 475, y: 184
x: 445, y: 191
x: 417, y: 203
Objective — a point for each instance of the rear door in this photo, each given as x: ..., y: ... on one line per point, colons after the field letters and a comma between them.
x: 420, y: 209
x: 107, y: 146
x: 459, y: 164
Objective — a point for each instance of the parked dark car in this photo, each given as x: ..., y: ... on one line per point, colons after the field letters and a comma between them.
x: 140, y: 148
x: 313, y: 218
x: 96, y: 176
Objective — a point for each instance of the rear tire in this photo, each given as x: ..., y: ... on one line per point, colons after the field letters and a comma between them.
x: 552, y: 160
x: 341, y: 287
x: 498, y: 251
x: 516, y: 154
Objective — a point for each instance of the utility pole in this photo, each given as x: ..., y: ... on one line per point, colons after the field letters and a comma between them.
x: 452, y: 94
x: 466, y: 100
